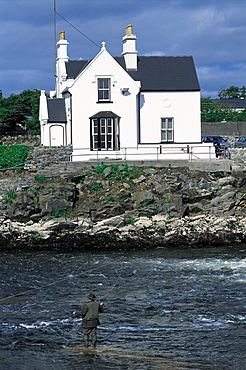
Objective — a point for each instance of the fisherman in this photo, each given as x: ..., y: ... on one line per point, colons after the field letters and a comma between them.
x: 90, y: 313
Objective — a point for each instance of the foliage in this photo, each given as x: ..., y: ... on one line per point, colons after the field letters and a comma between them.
x: 129, y: 221
x: 13, y: 155
x: 11, y: 194
x: 35, y: 236
x: 109, y: 198
x: 96, y: 187
x: 15, y: 109
x: 61, y: 213
x: 214, y: 111
x: 40, y: 179
x: 120, y: 171
x: 233, y: 92
x: 221, y: 174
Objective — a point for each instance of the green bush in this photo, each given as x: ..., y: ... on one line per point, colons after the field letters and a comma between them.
x: 14, y: 155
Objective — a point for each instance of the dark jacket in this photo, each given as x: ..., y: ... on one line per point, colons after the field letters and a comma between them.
x: 90, y: 313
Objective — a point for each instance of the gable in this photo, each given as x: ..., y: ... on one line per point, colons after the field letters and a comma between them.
x: 56, y: 110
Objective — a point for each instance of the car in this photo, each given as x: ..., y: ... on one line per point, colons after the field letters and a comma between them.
x: 241, y: 142
x: 216, y: 139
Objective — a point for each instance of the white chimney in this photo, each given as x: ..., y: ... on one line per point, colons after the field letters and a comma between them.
x: 61, y: 59
x: 129, y: 49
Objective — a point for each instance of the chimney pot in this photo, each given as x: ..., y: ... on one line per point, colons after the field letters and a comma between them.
x: 62, y: 35
x: 129, y: 29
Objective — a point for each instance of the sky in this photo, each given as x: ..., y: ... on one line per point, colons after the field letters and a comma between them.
x: 212, y: 31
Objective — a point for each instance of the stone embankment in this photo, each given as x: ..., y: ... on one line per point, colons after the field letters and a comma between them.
x: 121, y: 206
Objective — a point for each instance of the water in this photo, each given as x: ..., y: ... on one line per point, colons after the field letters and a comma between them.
x: 164, y: 309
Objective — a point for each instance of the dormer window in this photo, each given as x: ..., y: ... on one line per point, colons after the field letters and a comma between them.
x: 103, y: 89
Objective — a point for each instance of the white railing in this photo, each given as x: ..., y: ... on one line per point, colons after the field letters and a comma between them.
x: 140, y: 153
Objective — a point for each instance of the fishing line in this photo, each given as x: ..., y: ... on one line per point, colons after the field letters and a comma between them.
x: 113, y: 287
x: 55, y: 282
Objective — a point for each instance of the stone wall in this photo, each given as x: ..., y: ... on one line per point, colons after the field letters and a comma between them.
x: 32, y: 140
x: 229, y: 130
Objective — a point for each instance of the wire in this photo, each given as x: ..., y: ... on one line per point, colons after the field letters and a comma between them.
x: 77, y: 30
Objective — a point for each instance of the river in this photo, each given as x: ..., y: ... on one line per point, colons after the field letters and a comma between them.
x: 164, y: 309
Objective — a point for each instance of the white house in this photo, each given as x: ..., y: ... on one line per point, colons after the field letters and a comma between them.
x: 128, y: 107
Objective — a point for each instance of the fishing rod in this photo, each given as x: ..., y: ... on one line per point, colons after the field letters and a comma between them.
x: 57, y: 281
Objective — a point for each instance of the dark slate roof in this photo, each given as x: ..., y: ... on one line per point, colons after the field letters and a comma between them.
x: 56, y: 110
x: 155, y: 73
x: 234, y: 103
x: 165, y: 73
x: 104, y: 114
x: 73, y: 67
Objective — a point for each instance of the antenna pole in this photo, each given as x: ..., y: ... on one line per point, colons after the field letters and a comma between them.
x: 55, y: 32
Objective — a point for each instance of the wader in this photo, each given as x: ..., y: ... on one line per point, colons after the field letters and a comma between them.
x: 93, y: 333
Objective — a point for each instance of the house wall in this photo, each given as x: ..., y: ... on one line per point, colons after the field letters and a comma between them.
x: 184, y: 107
x: 123, y: 105
x: 53, y: 134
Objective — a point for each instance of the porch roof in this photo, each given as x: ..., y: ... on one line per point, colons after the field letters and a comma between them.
x: 56, y: 110
x: 105, y: 114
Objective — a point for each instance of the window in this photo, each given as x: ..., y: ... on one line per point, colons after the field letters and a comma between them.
x: 167, y: 129
x: 105, y: 132
x: 103, y: 89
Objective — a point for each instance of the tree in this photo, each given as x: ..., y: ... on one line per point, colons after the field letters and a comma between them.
x: 16, y: 108
x: 233, y: 92
x: 213, y: 111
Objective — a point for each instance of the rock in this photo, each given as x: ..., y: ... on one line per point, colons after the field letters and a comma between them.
x: 91, y: 208
x: 139, y: 179
x: 142, y: 198
x: 107, y: 171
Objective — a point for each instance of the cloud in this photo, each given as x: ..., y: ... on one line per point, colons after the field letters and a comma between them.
x: 211, y: 31
x: 216, y: 77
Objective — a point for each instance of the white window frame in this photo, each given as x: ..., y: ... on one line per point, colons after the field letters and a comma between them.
x: 105, y: 134
x: 167, y: 129
x: 103, y: 89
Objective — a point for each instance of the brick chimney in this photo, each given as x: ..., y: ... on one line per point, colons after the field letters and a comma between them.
x: 129, y: 49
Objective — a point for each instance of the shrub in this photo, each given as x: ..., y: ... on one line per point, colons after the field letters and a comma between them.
x: 12, y: 156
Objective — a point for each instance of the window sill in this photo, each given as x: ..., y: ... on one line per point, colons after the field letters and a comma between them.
x: 104, y: 101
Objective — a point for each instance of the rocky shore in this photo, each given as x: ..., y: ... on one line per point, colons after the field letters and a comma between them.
x: 114, y: 234
x: 119, y: 206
